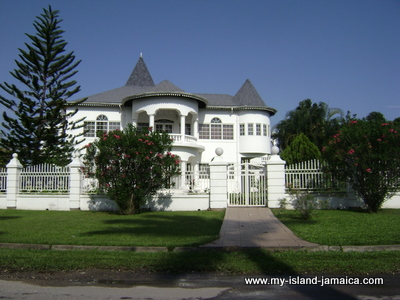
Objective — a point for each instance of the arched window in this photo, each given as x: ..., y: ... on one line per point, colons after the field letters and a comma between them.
x: 101, y: 124
x: 216, y: 121
x: 216, y: 130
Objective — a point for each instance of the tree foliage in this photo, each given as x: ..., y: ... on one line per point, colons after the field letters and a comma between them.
x: 300, y: 149
x: 316, y: 121
x: 37, y: 128
x: 131, y: 165
x: 366, y: 153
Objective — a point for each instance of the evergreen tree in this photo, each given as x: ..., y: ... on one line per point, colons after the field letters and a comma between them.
x: 38, y: 127
x: 300, y: 149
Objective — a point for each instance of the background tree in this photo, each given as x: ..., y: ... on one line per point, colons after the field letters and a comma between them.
x: 38, y: 129
x: 366, y: 154
x: 300, y: 149
x: 131, y: 165
x: 316, y: 121
x: 375, y: 117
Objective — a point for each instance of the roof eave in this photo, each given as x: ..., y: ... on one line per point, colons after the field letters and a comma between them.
x: 271, y: 110
x: 164, y: 94
x: 93, y: 104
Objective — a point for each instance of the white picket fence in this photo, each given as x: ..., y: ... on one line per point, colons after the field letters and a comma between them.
x: 44, y: 178
x: 308, y: 175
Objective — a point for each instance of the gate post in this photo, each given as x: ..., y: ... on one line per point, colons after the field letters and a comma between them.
x: 275, y: 178
x: 13, y: 172
x: 218, y: 181
x: 75, y: 182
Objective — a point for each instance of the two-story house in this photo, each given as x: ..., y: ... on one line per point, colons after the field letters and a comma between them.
x: 197, y: 122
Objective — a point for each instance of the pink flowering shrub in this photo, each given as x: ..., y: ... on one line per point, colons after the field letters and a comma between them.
x: 131, y: 165
x: 367, y: 155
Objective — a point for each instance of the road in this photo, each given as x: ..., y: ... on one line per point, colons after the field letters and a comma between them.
x: 195, y: 286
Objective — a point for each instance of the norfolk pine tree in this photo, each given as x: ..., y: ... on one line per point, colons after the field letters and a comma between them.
x: 39, y: 130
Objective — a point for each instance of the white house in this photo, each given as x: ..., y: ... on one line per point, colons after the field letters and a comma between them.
x: 197, y: 122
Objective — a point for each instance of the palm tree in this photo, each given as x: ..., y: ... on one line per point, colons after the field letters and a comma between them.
x: 317, y: 121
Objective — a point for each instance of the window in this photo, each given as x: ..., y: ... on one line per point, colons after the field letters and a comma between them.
x: 241, y: 129
x: 101, y: 124
x: 141, y: 126
x: 204, y: 131
x: 188, y: 129
x: 204, y: 171
x: 113, y: 126
x: 250, y: 129
x: 164, y: 125
x: 227, y: 132
x: 216, y: 130
x: 90, y: 129
x: 216, y: 120
x: 265, y: 130
x: 258, y: 129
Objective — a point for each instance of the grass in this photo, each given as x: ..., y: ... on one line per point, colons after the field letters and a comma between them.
x: 163, y: 229
x: 254, y: 261
x: 345, y: 227
x: 171, y: 229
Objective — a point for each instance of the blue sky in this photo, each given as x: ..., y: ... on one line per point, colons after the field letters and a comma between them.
x: 341, y: 52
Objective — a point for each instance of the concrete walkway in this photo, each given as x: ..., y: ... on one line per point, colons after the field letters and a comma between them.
x: 255, y: 227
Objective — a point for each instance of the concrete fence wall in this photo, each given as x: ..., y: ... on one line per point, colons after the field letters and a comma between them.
x: 217, y: 198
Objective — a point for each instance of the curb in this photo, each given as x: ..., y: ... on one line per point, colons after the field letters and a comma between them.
x: 321, y: 248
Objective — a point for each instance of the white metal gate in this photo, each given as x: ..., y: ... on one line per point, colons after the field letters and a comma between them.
x: 247, y: 185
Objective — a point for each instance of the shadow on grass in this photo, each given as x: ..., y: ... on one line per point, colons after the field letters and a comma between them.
x: 179, y: 266
x: 186, y: 230
x: 5, y: 218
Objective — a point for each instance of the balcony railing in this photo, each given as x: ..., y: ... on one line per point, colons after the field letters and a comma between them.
x: 185, y: 138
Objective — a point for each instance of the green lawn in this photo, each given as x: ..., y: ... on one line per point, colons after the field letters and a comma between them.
x: 256, y: 261
x: 171, y: 229
x: 345, y: 228
x: 163, y: 229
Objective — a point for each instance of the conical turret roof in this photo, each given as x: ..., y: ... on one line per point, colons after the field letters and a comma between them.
x: 140, y: 75
x: 248, y: 96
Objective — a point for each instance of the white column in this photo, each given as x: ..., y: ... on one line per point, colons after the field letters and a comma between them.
x: 218, y: 181
x: 275, y: 178
x: 183, y: 175
x: 13, y: 172
x: 75, y: 183
x: 183, y: 118
x: 196, y: 175
x: 196, y: 128
x: 135, y: 117
x: 151, y: 121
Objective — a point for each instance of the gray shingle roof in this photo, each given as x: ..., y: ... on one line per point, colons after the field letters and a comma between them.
x: 248, y: 96
x: 140, y: 75
x: 166, y: 86
x: 140, y: 82
x: 218, y: 99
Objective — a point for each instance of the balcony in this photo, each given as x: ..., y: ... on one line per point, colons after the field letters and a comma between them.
x: 184, y: 140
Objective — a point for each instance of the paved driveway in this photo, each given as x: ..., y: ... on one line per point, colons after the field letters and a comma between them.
x: 255, y: 227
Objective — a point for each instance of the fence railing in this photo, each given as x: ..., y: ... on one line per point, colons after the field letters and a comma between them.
x: 3, y: 180
x: 45, y: 178
x: 308, y: 175
x: 90, y: 186
x: 193, y: 181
